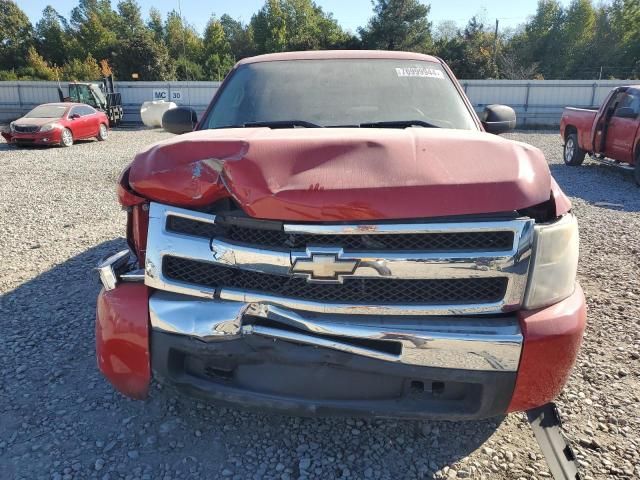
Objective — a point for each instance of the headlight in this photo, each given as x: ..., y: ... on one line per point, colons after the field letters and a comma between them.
x: 554, y: 262
x: 48, y: 127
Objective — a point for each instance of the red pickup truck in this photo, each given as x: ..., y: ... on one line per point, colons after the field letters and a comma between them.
x: 611, y: 132
x: 341, y: 234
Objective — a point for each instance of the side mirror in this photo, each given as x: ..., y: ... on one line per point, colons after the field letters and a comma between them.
x: 498, y: 119
x: 74, y: 116
x: 179, y: 120
x: 625, y: 112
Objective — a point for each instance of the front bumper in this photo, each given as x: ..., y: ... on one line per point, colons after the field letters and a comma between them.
x: 52, y: 137
x: 269, y: 357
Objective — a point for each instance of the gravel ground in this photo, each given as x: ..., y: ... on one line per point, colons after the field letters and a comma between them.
x: 60, y: 419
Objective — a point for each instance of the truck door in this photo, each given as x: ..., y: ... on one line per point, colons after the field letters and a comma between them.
x: 622, y: 126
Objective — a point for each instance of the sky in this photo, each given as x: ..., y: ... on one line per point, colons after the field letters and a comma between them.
x: 349, y: 13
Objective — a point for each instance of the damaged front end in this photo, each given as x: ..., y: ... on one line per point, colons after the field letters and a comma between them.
x: 305, y: 272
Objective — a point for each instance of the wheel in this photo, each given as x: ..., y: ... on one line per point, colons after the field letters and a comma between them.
x: 66, y: 139
x: 103, y: 132
x: 573, y: 154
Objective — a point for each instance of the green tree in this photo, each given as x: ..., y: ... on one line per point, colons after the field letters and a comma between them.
x: 100, y: 8
x: 185, y: 69
x: 93, y: 27
x: 185, y: 47
x: 541, y: 40
x: 625, y: 19
x: 217, y: 51
x: 129, y: 18
x: 51, y: 36
x: 577, y: 37
x: 239, y: 36
x: 270, y: 28
x: 398, y: 25
x: 308, y: 27
x: 155, y: 25
x: 140, y: 54
x: 16, y: 35
x: 469, y: 53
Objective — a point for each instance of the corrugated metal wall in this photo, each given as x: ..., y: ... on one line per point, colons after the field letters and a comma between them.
x: 537, y: 102
x: 17, y: 98
x: 540, y: 102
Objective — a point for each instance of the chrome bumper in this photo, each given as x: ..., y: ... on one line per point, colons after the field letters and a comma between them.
x: 471, y: 343
x: 466, y: 343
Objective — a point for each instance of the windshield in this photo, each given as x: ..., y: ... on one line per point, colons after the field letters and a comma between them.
x: 47, y: 111
x: 341, y: 92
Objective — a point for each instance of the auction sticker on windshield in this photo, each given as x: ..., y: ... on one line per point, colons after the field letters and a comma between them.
x: 419, y: 72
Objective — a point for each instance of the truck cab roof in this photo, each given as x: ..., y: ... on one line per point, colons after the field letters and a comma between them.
x: 339, y: 54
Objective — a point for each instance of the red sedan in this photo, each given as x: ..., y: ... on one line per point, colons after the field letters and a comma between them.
x: 58, y: 124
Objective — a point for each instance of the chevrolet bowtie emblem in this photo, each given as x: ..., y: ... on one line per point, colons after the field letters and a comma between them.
x: 323, y: 267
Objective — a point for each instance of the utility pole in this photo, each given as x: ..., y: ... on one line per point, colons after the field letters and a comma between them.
x: 495, y: 47
x: 600, y: 77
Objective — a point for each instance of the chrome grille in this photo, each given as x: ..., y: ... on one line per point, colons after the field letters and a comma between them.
x: 435, y: 268
x: 261, y: 237
x: 353, y: 290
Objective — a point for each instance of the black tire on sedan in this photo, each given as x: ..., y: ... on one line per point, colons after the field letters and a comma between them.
x: 573, y: 155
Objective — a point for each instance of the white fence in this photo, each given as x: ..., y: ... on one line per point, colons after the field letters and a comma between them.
x: 537, y: 102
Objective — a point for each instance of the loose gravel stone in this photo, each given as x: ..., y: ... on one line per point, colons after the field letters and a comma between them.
x: 60, y: 218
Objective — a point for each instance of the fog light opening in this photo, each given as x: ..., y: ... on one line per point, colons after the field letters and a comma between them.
x: 417, y: 386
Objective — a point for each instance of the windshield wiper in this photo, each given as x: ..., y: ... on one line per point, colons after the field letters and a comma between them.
x: 282, y: 124
x: 398, y: 124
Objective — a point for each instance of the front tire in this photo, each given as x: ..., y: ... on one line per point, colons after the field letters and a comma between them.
x: 66, y: 138
x: 573, y: 155
x: 103, y: 133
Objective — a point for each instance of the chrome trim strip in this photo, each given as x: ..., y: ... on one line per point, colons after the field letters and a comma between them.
x: 318, y: 342
x: 400, y: 228
x: 362, y: 309
x: 466, y: 343
x: 133, y: 276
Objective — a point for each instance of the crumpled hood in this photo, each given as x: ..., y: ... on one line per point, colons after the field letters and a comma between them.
x: 344, y: 174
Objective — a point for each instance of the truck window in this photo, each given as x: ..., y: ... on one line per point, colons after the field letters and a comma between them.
x: 341, y: 92
x: 629, y: 100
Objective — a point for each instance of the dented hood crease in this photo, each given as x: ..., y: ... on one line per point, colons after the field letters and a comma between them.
x: 344, y: 174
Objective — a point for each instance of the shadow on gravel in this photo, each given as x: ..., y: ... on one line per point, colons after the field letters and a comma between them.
x: 77, y: 144
x: 59, y: 416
